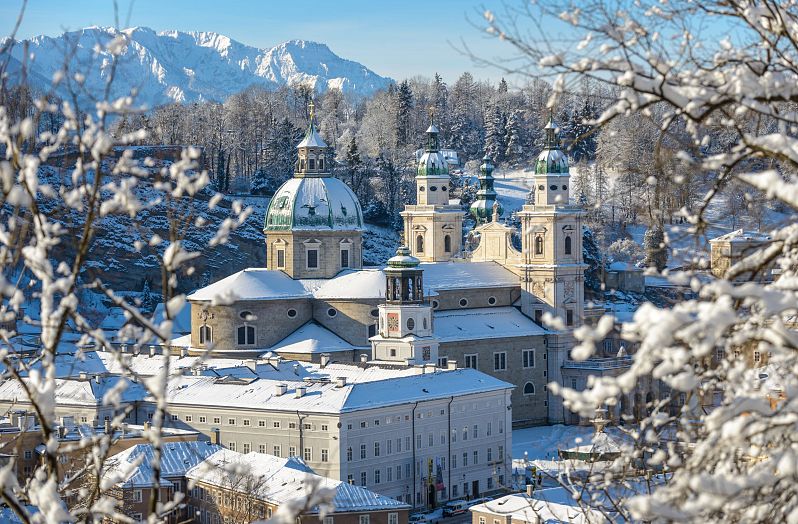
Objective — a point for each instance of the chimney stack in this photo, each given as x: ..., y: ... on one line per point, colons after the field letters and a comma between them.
x: 410, y: 362
x: 451, y: 365
x: 97, y: 378
x: 530, y: 488
x: 153, y: 350
x: 340, y: 382
x: 252, y: 364
x: 300, y: 391
x: 83, y: 375
x: 215, y: 436
x: 183, y: 352
x: 280, y: 389
x: 324, y: 359
x: 147, y: 425
x: 363, y: 360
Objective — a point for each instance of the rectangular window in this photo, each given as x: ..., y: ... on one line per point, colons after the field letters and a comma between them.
x: 364, y: 519
x: 500, y: 361
x: 465, y: 433
x: 501, y: 452
x: 398, y: 472
x: 292, y: 425
x: 454, y: 461
x: 465, y: 459
x: 276, y: 424
x: 418, y: 441
x: 490, y: 454
x: 454, y: 495
x: 231, y: 422
x: 377, y: 475
x: 398, y: 445
x: 454, y: 435
x: 388, y: 444
x: 362, y: 478
x: 608, y: 345
x: 489, y: 431
x: 344, y: 258
x: 443, y: 362
x: 247, y: 447
x: 231, y: 446
x: 329, y: 520
x: 389, y: 473
x: 312, y: 163
x: 262, y: 448
x: 539, y: 316
x: 261, y: 423
x: 246, y: 422
x: 277, y: 451
x: 325, y: 455
x: 393, y: 518
x: 475, y: 431
x: 490, y: 482
x: 407, y: 444
x: 246, y: 335
x: 569, y: 317
x: 281, y: 259
x: 188, y: 418
x: 407, y: 470
x: 217, y: 420
x: 174, y: 418
x: 313, y: 258
x: 471, y: 361
x: 292, y: 451
x: 431, y: 440
x: 308, y: 455
x: 476, y: 457
x: 205, y: 335
x: 137, y: 495
x: 757, y: 357
x: 376, y: 449
x: 324, y: 427
x: 202, y: 419
x: 362, y: 451
x: 528, y: 358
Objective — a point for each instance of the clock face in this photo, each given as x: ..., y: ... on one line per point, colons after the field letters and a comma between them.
x: 393, y: 323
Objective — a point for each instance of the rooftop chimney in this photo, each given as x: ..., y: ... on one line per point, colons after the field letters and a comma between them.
x: 183, y: 352
x: 252, y: 364
x: 123, y: 348
x: 530, y: 488
x: 300, y: 391
x: 280, y: 389
x: 153, y: 350
x: 83, y: 375
x: 324, y: 359
x: 215, y: 437
x: 340, y: 382
x: 409, y: 362
x: 451, y: 365
x: 97, y: 378
x: 363, y: 359
x: 147, y: 425
x: 107, y: 426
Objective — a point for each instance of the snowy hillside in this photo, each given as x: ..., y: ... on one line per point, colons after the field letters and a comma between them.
x: 172, y: 66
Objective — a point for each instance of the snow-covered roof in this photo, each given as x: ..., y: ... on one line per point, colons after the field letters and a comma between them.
x: 312, y: 338
x: 466, y: 275
x: 77, y: 392
x: 623, y: 266
x: 114, y: 320
x: 741, y: 235
x: 361, y: 284
x: 282, y: 480
x: 251, y: 284
x: 483, y: 323
x: 312, y: 138
x: 133, y: 467
x: 546, y: 505
x: 388, y: 387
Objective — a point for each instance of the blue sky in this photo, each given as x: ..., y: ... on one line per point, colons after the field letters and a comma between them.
x: 399, y: 38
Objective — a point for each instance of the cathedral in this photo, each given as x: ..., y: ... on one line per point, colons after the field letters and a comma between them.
x: 440, y: 302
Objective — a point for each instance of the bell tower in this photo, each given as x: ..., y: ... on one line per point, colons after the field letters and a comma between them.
x: 405, y: 329
x: 552, y: 269
x: 433, y: 228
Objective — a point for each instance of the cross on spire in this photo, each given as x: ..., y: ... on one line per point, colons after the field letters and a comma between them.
x: 431, y: 111
x: 310, y: 106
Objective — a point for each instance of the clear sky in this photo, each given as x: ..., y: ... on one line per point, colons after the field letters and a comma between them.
x: 396, y: 38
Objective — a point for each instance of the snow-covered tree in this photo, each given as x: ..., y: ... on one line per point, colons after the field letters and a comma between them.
x: 592, y: 257
x: 656, y: 249
x: 722, y: 433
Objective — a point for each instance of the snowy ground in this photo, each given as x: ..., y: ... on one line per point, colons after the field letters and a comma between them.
x: 542, y: 442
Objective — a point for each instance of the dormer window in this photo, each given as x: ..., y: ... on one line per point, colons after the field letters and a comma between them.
x: 311, y: 164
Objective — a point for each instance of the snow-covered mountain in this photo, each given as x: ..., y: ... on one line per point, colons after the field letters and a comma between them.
x: 173, y: 66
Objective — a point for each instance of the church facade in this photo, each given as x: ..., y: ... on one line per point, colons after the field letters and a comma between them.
x: 439, y: 302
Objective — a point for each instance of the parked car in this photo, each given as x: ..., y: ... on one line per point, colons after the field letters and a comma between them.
x: 420, y: 518
x: 455, y: 507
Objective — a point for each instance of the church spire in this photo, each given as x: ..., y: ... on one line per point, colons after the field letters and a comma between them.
x: 433, y: 143
x: 313, y: 152
x: 552, y: 136
x: 483, y: 207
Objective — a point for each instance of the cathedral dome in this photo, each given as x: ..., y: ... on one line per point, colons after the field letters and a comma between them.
x: 551, y: 161
x: 324, y: 203
x: 433, y: 163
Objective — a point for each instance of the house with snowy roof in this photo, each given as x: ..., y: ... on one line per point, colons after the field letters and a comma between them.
x: 728, y: 249
x: 236, y: 487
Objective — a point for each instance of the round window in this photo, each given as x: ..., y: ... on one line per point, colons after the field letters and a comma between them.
x: 421, y: 188
x: 443, y: 188
x: 434, y: 304
x: 491, y: 300
x: 331, y: 312
x: 245, y: 315
x: 291, y: 313
x: 463, y: 302
x: 411, y: 324
x: 375, y: 313
x: 433, y: 188
x: 553, y: 187
x: 541, y: 187
x: 564, y: 188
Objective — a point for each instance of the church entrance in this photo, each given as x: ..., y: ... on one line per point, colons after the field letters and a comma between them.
x: 432, y: 496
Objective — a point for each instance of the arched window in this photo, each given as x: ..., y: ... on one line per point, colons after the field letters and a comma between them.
x: 420, y: 244
x: 529, y: 388
x: 205, y: 335
x: 568, y: 245
x: 538, y: 245
x: 447, y: 244
x: 246, y: 335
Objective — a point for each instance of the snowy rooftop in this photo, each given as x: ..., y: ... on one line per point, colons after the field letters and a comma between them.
x: 547, y: 505
x: 251, y: 284
x: 482, y: 323
x: 387, y: 387
x: 362, y: 284
x: 133, y: 467
x: 280, y: 480
x: 312, y: 338
x: 623, y: 266
x: 77, y: 392
x: 741, y: 235
x: 464, y: 275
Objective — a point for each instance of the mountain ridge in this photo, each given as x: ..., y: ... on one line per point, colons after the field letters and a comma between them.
x: 186, y: 66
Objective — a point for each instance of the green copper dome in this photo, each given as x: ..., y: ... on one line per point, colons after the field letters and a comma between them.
x: 314, y: 203
x: 482, y: 207
x: 432, y: 162
x: 551, y: 159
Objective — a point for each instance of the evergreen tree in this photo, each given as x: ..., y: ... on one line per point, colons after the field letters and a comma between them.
x: 656, y: 251
x: 261, y: 183
x: 404, y: 108
x: 495, y: 139
x: 147, y: 299
x: 354, y: 166
x: 592, y: 257
x: 513, y: 135
x: 502, y: 89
